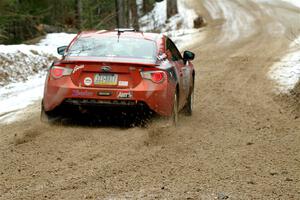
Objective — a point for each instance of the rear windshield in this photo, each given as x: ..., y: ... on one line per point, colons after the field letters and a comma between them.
x: 113, y: 47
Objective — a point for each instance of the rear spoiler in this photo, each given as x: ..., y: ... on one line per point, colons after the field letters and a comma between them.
x: 135, y: 61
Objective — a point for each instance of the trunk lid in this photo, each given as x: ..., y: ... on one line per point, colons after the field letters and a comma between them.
x: 107, y: 75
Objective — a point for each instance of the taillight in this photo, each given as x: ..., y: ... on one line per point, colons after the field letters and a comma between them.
x: 154, y: 76
x: 58, y: 72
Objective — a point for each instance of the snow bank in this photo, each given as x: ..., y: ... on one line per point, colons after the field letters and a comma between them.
x: 17, y: 96
x: 48, y: 45
x: 19, y: 66
x: 22, y: 72
x: 179, y: 27
x: 156, y: 19
x: 54, y: 40
x: 294, y: 2
x: 239, y: 23
x: 18, y: 62
x: 286, y: 73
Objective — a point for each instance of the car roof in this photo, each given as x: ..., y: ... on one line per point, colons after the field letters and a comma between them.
x: 132, y: 34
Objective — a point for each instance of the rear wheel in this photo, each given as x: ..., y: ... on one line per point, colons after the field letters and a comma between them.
x: 46, y: 117
x: 188, y: 109
x: 189, y: 105
x: 174, y: 116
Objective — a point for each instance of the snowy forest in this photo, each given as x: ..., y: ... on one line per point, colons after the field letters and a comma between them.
x: 23, y: 20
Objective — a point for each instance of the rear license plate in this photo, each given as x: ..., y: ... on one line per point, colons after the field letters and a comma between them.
x: 106, y: 79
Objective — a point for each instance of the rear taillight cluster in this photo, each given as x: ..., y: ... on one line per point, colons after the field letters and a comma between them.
x: 58, y: 72
x: 154, y: 76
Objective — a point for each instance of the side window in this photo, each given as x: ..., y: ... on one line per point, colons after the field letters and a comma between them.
x: 172, y: 51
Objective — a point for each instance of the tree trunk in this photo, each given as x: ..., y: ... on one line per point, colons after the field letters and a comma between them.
x: 171, y: 8
x: 117, y: 13
x: 78, y: 14
x: 134, y: 14
x: 122, y: 15
x: 146, y: 6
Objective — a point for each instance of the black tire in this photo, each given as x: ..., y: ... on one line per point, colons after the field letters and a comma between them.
x: 175, y: 112
x: 188, y: 108
x: 46, y: 117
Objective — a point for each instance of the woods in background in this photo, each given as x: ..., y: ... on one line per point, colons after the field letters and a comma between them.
x: 21, y: 20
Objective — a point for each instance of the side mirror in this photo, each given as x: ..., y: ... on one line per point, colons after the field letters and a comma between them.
x: 61, y: 50
x: 188, y: 55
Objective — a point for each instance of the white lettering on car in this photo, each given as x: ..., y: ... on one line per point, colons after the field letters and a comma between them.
x: 123, y: 83
x: 125, y: 95
x: 77, y: 67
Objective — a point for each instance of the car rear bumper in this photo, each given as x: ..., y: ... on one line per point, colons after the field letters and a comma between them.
x: 158, y: 97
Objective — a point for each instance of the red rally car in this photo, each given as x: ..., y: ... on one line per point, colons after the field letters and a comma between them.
x: 121, y: 68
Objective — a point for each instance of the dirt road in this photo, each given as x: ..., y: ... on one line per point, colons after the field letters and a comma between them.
x: 243, y: 141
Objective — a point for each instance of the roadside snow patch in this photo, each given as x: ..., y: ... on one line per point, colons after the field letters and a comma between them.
x: 294, y: 2
x: 286, y: 73
x: 54, y: 40
x: 155, y: 19
x: 22, y: 72
x: 179, y: 27
x: 17, y: 96
x: 238, y: 22
x: 18, y: 62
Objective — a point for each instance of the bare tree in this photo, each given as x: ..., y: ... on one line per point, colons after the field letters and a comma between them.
x: 122, y: 13
x: 146, y: 6
x: 127, y: 14
x: 134, y: 14
x: 78, y: 13
x: 171, y: 8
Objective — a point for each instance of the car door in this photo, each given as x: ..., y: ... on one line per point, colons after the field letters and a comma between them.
x: 176, y: 59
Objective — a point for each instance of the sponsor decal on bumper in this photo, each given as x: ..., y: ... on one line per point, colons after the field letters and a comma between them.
x: 79, y: 93
x: 123, y: 83
x: 125, y: 95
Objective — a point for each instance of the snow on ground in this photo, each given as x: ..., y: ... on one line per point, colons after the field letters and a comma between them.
x: 18, y: 62
x: 18, y: 66
x: 294, y: 2
x: 238, y: 22
x: 179, y: 28
x: 156, y: 19
x: 286, y: 73
x: 17, y: 96
x: 54, y: 40
x: 22, y: 72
